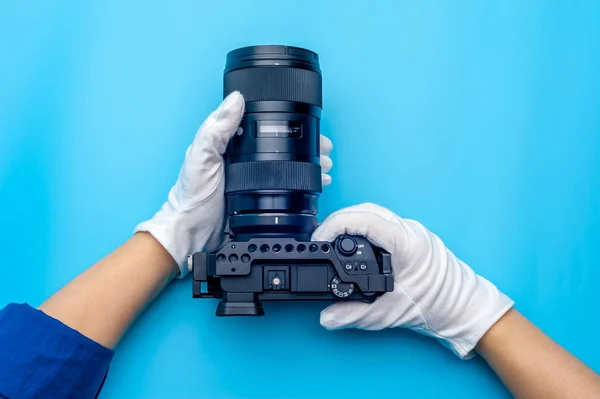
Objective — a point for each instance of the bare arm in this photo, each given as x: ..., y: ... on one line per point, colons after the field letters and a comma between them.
x: 531, y: 365
x: 102, y: 302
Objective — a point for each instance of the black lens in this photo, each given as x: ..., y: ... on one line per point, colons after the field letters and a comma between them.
x: 273, y: 176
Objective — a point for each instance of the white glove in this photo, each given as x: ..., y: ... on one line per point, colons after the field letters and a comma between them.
x: 193, y: 217
x: 434, y: 293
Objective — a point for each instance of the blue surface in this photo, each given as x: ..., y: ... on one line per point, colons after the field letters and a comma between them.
x: 480, y: 119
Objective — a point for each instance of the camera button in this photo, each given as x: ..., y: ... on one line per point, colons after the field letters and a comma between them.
x: 347, y: 246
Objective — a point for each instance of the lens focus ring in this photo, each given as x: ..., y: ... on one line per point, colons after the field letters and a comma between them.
x: 275, y: 84
x: 273, y: 175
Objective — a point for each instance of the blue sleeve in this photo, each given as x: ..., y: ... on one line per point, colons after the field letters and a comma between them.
x: 40, y: 357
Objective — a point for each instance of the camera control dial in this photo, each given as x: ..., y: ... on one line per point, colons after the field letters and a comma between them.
x: 347, y: 246
x: 341, y: 289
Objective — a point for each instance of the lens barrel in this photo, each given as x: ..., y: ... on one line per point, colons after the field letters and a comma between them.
x: 273, y: 173
x: 274, y: 73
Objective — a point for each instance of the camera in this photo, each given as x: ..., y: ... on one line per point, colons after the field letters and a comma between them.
x: 272, y: 186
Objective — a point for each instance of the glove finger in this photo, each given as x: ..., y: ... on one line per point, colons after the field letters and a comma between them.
x: 373, y: 208
x: 326, y: 145
x: 325, y: 179
x: 381, y: 211
x: 378, y: 230
x: 408, y: 227
x: 343, y: 315
x: 199, y: 176
x: 326, y: 163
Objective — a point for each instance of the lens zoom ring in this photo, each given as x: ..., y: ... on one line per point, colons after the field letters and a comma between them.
x: 275, y: 84
x: 273, y: 175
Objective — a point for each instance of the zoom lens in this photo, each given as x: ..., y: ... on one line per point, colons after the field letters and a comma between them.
x: 273, y: 176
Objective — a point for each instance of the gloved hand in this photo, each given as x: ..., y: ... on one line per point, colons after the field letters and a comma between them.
x: 434, y: 293
x: 193, y: 217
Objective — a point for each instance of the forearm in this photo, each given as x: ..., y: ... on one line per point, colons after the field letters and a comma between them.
x: 102, y: 302
x: 532, y: 365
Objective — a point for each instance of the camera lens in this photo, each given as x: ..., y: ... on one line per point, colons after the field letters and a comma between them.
x: 273, y: 176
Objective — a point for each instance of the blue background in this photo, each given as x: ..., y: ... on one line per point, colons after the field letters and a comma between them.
x: 479, y: 119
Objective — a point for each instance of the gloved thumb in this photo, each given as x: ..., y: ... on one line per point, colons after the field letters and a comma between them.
x: 202, y: 167
x: 221, y: 124
x: 343, y: 315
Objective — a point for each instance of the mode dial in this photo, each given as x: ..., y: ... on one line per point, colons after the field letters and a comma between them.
x: 341, y: 289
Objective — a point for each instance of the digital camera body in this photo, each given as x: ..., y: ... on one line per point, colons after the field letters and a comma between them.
x: 272, y: 185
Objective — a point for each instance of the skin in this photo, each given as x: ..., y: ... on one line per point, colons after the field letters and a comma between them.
x: 531, y: 365
x: 103, y: 302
